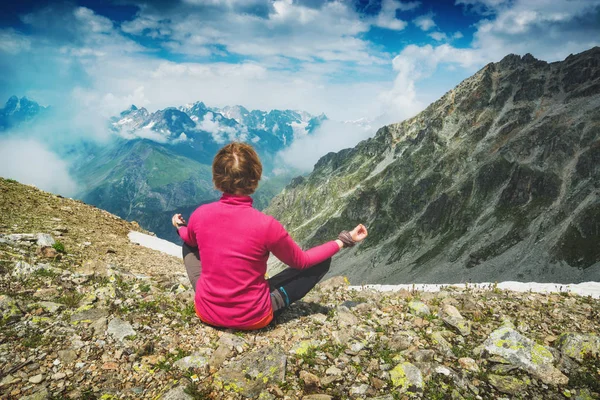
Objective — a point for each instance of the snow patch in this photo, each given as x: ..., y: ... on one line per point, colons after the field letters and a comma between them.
x: 154, y: 243
x: 582, y: 289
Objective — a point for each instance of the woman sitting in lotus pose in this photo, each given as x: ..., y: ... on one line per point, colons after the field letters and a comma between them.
x: 227, y: 244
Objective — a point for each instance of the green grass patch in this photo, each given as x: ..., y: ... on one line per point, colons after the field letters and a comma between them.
x: 59, y: 246
x: 71, y: 299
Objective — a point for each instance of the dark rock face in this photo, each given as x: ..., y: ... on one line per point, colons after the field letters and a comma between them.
x: 497, y: 180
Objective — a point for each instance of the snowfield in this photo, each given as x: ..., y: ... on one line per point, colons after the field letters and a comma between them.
x: 582, y: 289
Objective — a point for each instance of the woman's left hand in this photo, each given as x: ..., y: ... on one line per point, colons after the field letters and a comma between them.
x: 177, y: 220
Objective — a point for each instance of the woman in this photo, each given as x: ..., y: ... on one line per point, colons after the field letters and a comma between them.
x: 233, y: 241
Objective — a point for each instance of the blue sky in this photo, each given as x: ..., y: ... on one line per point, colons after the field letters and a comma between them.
x: 349, y: 59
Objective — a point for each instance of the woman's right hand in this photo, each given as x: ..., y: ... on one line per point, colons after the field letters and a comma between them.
x: 177, y: 220
x: 359, y: 233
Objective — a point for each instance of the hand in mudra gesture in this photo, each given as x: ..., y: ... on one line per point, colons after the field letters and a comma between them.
x: 177, y: 220
x: 359, y: 233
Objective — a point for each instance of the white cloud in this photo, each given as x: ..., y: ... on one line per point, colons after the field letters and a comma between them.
x: 330, y: 136
x: 387, y: 16
x: 221, y: 133
x: 12, y: 43
x: 439, y: 36
x: 29, y: 162
x: 425, y: 22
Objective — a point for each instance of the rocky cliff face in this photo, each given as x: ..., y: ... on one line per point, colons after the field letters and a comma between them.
x: 497, y: 180
x: 88, y: 315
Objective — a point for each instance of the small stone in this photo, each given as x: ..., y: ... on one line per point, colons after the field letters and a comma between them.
x: 51, y: 307
x: 508, y: 384
x: 8, y: 380
x: 177, y: 393
x: 579, y: 346
x: 311, y: 381
x: 99, y: 326
x: 110, y: 365
x: 41, y: 395
x: 401, y: 341
x: 423, y: 355
x: 36, y: 379
x: 469, y: 364
x: 418, y: 308
x: 120, y: 329
x: 317, y: 397
x: 58, y: 376
x: 345, y: 317
x: 10, y: 310
x: 359, y: 390
x: 67, y: 356
x: 407, y: 377
x: 45, y: 240
x: 450, y: 315
x: 303, y: 347
x: 91, y: 315
x: 333, y: 370
x: 195, y: 360
x: 48, y: 252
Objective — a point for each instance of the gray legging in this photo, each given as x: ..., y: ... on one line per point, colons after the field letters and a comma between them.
x: 286, y: 287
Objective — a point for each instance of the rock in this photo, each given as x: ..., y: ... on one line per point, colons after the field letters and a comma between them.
x: 341, y: 337
x: 99, y: 326
x: 333, y: 370
x: 177, y: 393
x: 441, y: 344
x: 418, y: 308
x: 50, y: 307
x: 579, y: 346
x: 9, y: 380
x: 302, y: 347
x: 360, y: 390
x: 317, y: 397
x: 509, y: 384
x: 424, y: 355
x: 469, y: 364
x: 48, y: 252
x: 311, y: 381
x: 10, y: 310
x: 195, y: 360
x: 334, y: 283
x: 345, y: 317
x: 36, y: 379
x: 401, y: 341
x: 67, y: 356
x: 385, y: 397
x: 90, y: 315
x: 524, y: 353
x: 450, y: 315
x: 120, y: 329
x: 58, y: 376
x: 407, y: 378
x: 93, y: 267
x: 41, y: 395
x: 44, y: 240
x: 250, y: 375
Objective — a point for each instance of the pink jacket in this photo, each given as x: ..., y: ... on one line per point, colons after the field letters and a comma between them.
x: 234, y: 242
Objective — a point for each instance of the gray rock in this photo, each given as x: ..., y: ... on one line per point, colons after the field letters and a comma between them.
x: 67, y: 356
x: 99, y: 326
x: 44, y: 240
x: 423, y: 355
x: 22, y: 269
x: 196, y: 360
x: 441, y: 343
x: 418, y: 308
x: 40, y: 395
x: 407, y: 378
x: 120, y: 329
x: 359, y: 390
x: 579, y: 346
x: 509, y: 384
x: 91, y: 315
x: 334, y: 283
x: 317, y: 397
x: 345, y: 317
x: 177, y: 393
x: 524, y: 353
x: 251, y: 374
x: 9, y: 380
x: 401, y: 341
x: 10, y: 309
x: 450, y: 315
x: 50, y: 306
x: 36, y: 379
x: 333, y: 370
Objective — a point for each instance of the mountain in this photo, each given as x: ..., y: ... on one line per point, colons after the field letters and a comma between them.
x: 497, y: 180
x: 86, y: 314
x: 19, y: 111
x: 159, y: 163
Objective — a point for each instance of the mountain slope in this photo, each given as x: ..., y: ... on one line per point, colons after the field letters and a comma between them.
x: 106, y: 319
x: 497, y: 180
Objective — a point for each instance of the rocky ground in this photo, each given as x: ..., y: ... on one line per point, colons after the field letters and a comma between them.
x: 87, y: 315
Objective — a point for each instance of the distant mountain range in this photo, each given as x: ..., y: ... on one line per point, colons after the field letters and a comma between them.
x: 159, y: 163
x: 497, y: 180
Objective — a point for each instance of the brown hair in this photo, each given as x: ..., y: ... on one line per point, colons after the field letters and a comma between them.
x: 237, y: 169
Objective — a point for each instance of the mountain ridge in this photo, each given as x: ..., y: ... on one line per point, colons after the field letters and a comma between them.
x: 487, y: 152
